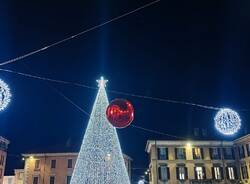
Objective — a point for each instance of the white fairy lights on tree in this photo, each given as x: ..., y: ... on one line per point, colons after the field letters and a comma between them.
x: 227, y: 121
x: 100, y: 160
x: 5, y: 95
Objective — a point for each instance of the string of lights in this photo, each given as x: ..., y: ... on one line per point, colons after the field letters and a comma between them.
x: 112, y: 91
x: 78, y: 34
x: 134, y: 126
x: 158, y: 132
x: 166, y: 100
x: 47, y: 79
x: 226, y: 123
x: 70, y: 101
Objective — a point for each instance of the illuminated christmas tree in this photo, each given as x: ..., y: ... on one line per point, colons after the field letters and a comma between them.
x: 100, y: 160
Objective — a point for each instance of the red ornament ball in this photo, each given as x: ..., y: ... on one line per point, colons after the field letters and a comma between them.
x: 120, y: 113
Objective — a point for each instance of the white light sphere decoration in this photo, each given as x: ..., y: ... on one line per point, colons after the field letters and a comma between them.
x: 227, y: 121
x: 5, y: 95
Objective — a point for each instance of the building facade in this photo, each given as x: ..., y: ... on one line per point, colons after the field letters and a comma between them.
x: 9, y: 180
x: 3, y: 155
x: 52, y: 168
x: 199, y: 162
x: 243, y: 157
x: 19, y: 176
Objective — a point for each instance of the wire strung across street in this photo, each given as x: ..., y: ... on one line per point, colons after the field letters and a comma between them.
x: 78, y: 34
x: 77, y: 106
x: 134, y: 126
x: 158, y: 132
x: 90, y: 87
x: 111, y: 91
x: 81, y: 85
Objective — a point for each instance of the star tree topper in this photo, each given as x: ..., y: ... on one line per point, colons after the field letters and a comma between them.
x: 102, y: 82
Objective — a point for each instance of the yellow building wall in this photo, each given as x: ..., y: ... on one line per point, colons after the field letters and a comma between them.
x: 189, y: 163
x: 44, y: 172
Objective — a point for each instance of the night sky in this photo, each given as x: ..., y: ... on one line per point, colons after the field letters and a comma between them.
x: 196, y: 51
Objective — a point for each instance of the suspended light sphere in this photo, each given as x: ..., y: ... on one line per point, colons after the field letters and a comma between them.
x: 5, y: 95
x: 227, y: 121
x: 120, y: 113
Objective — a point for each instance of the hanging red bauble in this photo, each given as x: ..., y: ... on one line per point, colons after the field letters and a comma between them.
x: 120, y: 113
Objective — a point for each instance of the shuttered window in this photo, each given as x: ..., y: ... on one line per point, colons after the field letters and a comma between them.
x: 163, y: 172
x: 52, y: 180
x: 231, y: 173
x: 244, y: 172
x: 181, y: 173
x: 197, y: 153
x: 180, y: 153
x: 35, y: 180
x: 217, y: 173
x: 53, y: 164
x: 162, y: 153
x: 200, y: 173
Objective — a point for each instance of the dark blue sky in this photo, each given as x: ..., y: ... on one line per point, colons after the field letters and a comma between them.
x: 185, y: 50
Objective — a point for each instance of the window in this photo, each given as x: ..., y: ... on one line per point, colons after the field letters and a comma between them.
x: 181, y: 173
x: 200, y: 173
x: 217, y: 173
x: 204, y: 132
x: 52, y: 180
x: 20, y: 176
x: 162, y: 153
x: 70, y: 163
x: 228, y: 153
x: 180, y: 153
x: 1, y: 173
x: 215, y: 153
x: 241, y: 151
x: 10, y: 180
x: 37, y: 164
x: 231, y: 173
x: 244, y: 172
x: 196, y: 132
x: 35, y: 180
x: 197, y: 153
x: 248, y: 150
x: 1, y: 160
x: 163, y: 173
x: 53, y: 164
x: 68, y: 179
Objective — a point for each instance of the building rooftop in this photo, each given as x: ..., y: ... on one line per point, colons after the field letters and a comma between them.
x: 26, y: 155
x: 243, y: 138
x: 195, y: 142
x: 186, y: 142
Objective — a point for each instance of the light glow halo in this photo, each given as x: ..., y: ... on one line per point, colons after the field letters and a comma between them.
x: 227, y: 121
x: 5, y: 95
